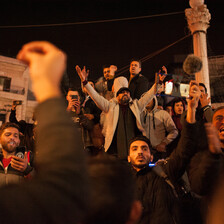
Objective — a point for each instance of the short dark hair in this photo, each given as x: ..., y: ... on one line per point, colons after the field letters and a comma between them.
x: 112, y: 190
x: 8, y: 125
x: 203, y: 85
x: 138, y: 60
x: 139, y: 138
x: 217, y: 109
x: 73, y: 89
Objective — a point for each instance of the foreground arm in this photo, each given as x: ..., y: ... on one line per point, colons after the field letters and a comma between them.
x: 204, y: 168
x: 58, y: 193
x: 186, y: 147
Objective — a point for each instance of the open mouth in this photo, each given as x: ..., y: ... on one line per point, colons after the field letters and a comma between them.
x: 12, y: 143
x: 221, y: 130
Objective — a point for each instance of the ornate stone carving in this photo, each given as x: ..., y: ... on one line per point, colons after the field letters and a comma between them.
x: 198, y: 18
x: 196, y: 3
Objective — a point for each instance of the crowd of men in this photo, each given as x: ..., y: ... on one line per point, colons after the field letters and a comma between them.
x: 109, y: 154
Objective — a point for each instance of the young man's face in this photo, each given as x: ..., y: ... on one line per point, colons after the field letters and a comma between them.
x: 218, y: 122
x: 135, y: 68
x: 178, y: 108
x: 106, y: 73
x: 10, y: 139
x: 139, y: 154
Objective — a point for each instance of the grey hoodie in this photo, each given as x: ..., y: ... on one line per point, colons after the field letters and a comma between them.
x: 158, y: 125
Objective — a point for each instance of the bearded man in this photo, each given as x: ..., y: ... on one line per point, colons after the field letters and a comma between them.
x: 13, y: 168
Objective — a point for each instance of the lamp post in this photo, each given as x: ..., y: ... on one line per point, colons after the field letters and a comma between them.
x: 198, y: 18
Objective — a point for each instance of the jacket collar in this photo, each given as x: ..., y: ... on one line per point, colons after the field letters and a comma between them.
x: 135, y: 77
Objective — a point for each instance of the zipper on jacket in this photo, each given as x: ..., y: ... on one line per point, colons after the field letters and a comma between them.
x: 6, y: 179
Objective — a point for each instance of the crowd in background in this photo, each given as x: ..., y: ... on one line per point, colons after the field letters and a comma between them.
x: 131, y: 133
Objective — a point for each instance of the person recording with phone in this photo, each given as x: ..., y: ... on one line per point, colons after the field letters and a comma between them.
x: 90, y: 121
x: 26, y: 129
x: 14, y: 164
x: 73, y: 99
x: 85, y: 115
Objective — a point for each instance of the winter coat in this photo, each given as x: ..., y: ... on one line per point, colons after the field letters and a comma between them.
x: 9, y: 175
x: 138, y: 85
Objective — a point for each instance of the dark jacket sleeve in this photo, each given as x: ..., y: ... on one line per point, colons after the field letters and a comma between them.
x: 142, y: 86
x: 181, y: 156
x: 58, y: 194
x: 138, y: 86
x: 208, y: 113
x: 203, y: 171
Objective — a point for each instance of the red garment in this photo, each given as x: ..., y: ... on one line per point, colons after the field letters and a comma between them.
x: 176, y: 120
x: 6, y: 162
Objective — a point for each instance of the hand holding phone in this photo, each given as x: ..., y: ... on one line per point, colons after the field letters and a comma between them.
x: 19, y: 164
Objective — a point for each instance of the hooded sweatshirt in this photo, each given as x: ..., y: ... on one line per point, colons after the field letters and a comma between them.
x: 158, y: 125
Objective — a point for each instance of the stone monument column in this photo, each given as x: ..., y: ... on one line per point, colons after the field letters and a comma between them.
x: 198, y: 18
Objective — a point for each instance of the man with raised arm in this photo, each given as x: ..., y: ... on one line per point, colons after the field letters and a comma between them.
x: 137, y: 83
x: 122, y: 114
x: 157, y: 189
x: 58, y: 193
x: 204, y: 169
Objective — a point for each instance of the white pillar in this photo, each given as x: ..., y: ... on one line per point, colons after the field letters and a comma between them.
x: 198, y: 18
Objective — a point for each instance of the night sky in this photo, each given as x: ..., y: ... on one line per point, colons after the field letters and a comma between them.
x: 97, y: 44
